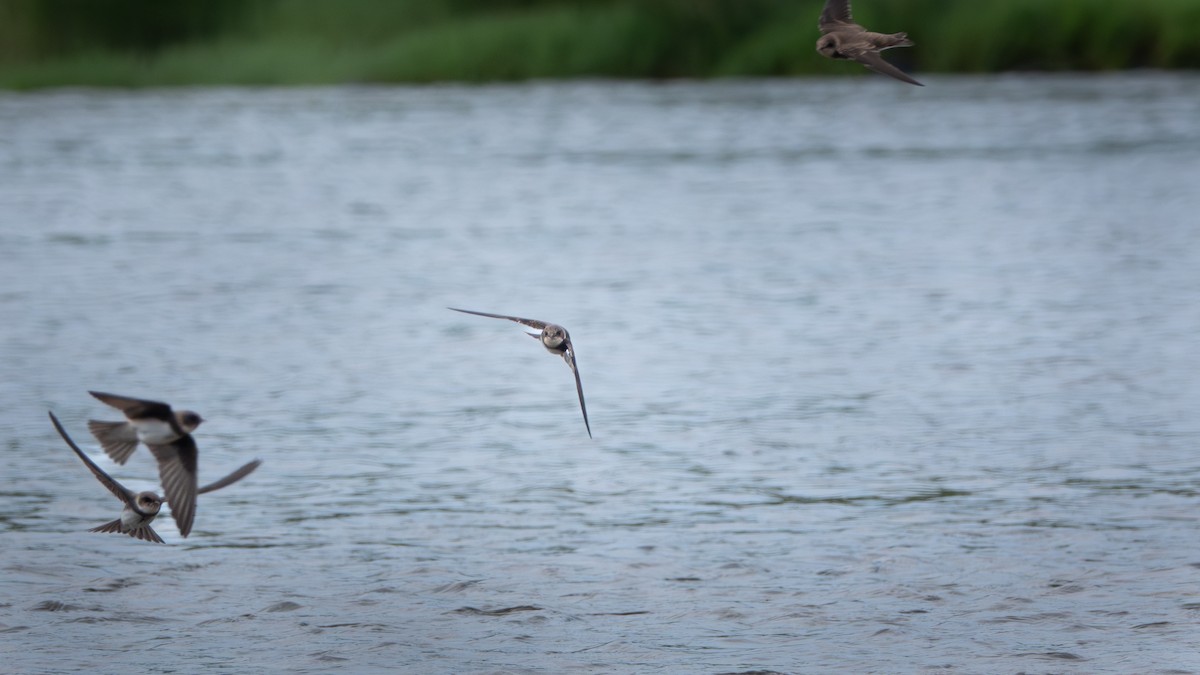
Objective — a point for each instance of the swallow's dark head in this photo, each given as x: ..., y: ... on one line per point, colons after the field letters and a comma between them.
x: 554, y: 336
x: 827, y: 46
x: 189, y: 420
x: 148, y: 502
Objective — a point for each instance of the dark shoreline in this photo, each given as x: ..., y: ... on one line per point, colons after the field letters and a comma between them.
x: 117, y: 43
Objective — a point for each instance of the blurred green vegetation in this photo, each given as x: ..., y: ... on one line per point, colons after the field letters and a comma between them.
x: 134, y: 43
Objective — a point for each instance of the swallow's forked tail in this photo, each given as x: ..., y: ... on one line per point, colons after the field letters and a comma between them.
x: 119, y: 439
x: 145, y: 532
x: 895, y: 40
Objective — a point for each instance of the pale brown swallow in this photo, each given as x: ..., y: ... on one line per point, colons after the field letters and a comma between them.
x: 146, y: 421
x: 556, y: 340
x: 141, y: 508
x: 843, y: 39
x: 167, y: 435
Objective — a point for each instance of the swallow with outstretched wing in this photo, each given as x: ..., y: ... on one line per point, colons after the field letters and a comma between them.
x: 841, y: 38
x: 169, y: 439
x: 145, y: 421
x: 141, y: 508
x: 556, y: 340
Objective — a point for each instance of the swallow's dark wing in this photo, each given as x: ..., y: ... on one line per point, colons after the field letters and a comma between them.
x: 177, y: 471
x: 137, y: 408
x: 569, y: 357
x: 835, y: 15
x: 876, y: 62
x: 532, y: 323
x: 123, y: 493
x: 232, y: 478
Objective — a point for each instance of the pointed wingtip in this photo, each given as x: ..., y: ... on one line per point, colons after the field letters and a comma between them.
x: 583, y: 409
x: 58, y: 425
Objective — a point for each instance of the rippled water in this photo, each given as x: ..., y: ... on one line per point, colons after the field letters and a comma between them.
x: 881, y: 378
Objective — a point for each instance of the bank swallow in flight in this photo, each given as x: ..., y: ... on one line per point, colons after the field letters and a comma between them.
x: 843, y: 39
x: 141, y: 508
x: 168, y: 436
x: 145, y: 421
x: 556, y: 340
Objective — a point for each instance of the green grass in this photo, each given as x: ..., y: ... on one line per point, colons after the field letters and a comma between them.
x: 143, y: 43
x: 1073, y: 35
x: 555, y: 42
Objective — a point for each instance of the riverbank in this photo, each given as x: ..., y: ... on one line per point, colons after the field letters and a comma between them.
x: 121, y: 43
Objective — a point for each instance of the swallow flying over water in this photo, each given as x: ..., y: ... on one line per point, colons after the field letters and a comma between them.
x: 556, y: 340
x: 141, y: 508
x: 843, y: 39
x: 146, y: 421
x: 168, y: 436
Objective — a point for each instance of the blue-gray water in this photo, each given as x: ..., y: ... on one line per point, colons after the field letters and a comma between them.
x: 882, y: 378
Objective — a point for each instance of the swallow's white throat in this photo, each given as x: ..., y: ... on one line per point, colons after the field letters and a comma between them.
x: 131, y: 520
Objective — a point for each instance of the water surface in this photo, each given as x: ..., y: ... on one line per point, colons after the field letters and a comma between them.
x: 881, y: 378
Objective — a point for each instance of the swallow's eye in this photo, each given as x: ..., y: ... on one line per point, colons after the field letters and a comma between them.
x: 191, y: 419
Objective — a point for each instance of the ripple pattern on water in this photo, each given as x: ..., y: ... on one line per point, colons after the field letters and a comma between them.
x: 880, y: 379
